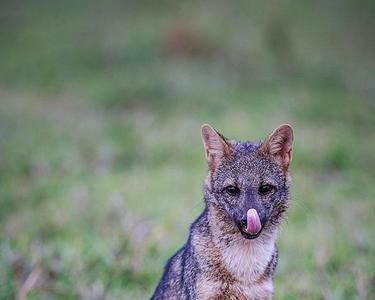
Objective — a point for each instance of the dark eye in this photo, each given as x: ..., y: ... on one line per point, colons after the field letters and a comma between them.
x: 232, y: 190
x: 266, y: 189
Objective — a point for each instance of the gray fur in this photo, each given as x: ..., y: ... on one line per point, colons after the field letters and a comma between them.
x: 219, y: 261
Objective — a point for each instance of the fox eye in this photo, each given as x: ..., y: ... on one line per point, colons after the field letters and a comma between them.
x: 266, y: 189
x: 232, y: 190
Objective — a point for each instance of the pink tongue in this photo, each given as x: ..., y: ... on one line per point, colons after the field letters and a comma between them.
x: 253, y: 222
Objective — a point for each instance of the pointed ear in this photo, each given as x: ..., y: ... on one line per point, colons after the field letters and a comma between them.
x: 279, y: 145
x: 216, y: 146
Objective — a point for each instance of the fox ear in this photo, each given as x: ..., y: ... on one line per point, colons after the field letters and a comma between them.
x: 216, y: 146
x: 279, y: 145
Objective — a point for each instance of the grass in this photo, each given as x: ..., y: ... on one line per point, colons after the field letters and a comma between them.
x: 101, y: 163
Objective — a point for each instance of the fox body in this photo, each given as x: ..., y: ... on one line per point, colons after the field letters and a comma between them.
x: 231, y: 251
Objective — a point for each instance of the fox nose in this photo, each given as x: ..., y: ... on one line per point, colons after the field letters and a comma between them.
x: 244, y: 221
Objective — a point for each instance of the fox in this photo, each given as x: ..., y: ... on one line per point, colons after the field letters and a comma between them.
x: 231, y: 250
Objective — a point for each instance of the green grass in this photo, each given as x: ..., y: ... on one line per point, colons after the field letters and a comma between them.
x: 101, y: 163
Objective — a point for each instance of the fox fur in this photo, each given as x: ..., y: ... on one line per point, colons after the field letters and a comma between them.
x: 221, y: 259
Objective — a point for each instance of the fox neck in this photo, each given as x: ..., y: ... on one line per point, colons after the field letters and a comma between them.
x: 245, y: 258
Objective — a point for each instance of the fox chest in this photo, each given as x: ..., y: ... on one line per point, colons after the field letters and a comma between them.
x: 241, y: 273
x: 216, y: 290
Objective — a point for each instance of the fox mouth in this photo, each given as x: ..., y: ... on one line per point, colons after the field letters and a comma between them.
x: 250, y: 225
x: 250, y: 236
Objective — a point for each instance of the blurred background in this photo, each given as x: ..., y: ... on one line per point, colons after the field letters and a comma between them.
x: 101, y: 162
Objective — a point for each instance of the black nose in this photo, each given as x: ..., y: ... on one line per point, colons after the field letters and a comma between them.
x: 244, y: 221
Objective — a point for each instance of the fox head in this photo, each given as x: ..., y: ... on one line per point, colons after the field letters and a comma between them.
x: 249, y: 182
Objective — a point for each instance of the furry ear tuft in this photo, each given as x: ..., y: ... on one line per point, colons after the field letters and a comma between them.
x: 279, y: 145
x: 216, y: 146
